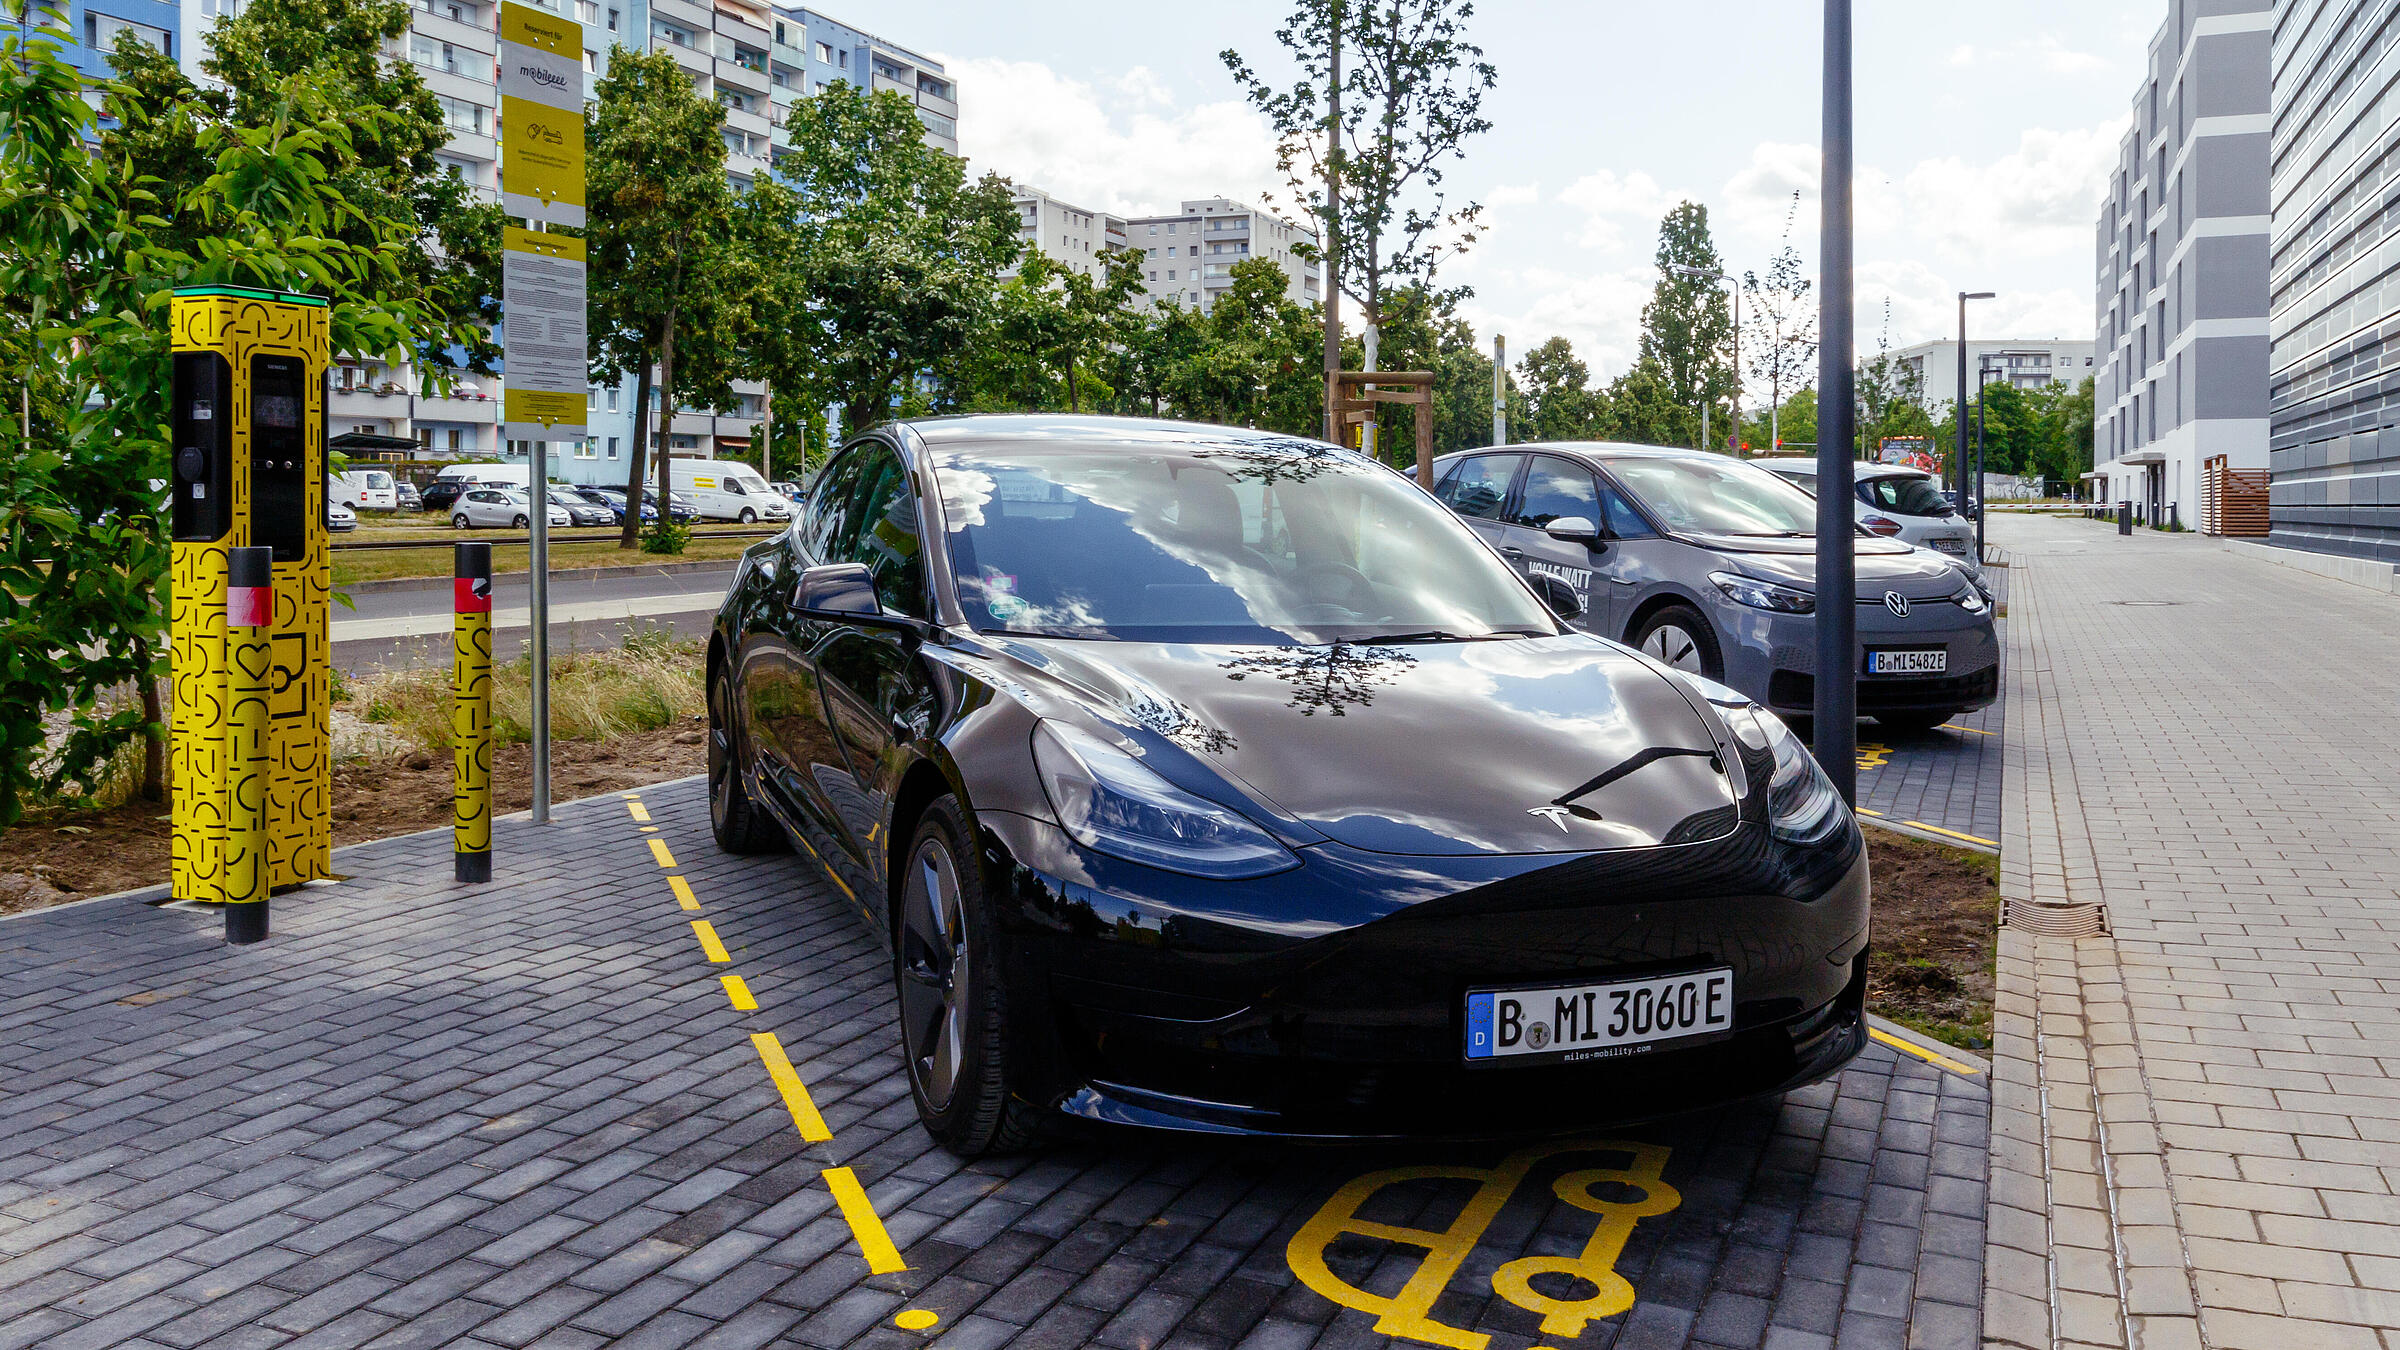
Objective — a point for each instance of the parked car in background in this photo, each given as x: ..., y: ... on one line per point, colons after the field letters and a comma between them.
x: 491, y: 507
x: 405, y: 496
x: 339, y: 519
x: 1894, y: 501
x: 582, y: 510
x: 791, y: 491
x: 1045, y: 695
x: 726, y: 490
x: 363, y: 490
x: 1709, y: 564
x: 679, y: 512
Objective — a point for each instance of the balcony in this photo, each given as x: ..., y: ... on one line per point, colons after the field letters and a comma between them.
x: 470, y: 83
x: 947, y: 107
x: 480, y: 410
x: 468, y: 145
x: 735, y: 75
x: 683, y: 14
x: 463, y: 36
x: 698, y: 64
x: 738, y: 120
x: 906, y: 89
x: 359, y: 404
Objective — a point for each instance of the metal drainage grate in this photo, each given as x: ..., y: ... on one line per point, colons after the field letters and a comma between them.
x: 2145, y: 604
x: 2079, y: 919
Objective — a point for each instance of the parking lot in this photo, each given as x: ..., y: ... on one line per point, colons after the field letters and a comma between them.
x: 1945, y: 781
x: 637, y: 1092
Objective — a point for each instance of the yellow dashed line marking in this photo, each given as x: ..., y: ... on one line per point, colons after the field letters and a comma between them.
x: 658, y: 850
x: 1938, y: 1061
x: 641, y: 813
x: 649, y: 829
x: 1953, y: 726
x: 873, y: 1242
x: 683, y: 893
x: 1970, y: 838
x: 1865, y: 812
x: 739, y: 991
x: 795, y: 1093
x: 916, y: 1319
x: 708, y: 940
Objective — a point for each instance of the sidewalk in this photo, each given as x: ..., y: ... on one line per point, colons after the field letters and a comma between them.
x: 2196, y: 1116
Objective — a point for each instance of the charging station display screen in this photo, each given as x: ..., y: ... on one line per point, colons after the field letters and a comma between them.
x: 277, y: 412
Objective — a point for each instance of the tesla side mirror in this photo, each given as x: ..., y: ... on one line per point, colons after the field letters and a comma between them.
x: 1558, y: 595
x: 1573, y: 530
x: 839, y: 591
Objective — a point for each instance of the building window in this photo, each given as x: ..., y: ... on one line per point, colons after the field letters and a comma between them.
x: 1154, y: 229
x: 612, y: 447
x: 1170, y: 274
x: 825, y: 52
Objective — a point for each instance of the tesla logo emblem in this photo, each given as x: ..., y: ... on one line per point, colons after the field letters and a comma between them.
x: 1618, y: 1196
x: 1556, y: 815
x: 1896, y: 603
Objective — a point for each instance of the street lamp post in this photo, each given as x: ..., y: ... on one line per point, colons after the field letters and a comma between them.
x: 1959, y: 408
x: 1702, y: 273
x: 1836, y: 703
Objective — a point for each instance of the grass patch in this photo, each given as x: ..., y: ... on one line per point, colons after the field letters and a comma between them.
x: 581, y: 549
x: 652, y: 681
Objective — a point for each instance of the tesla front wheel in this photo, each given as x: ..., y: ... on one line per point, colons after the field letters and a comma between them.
x: 736, y: 821
x: 953, y: 1012
x: 1681, y: 637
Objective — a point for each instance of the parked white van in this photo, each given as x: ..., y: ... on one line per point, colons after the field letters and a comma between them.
x: 721, y: 489
x: 519, y: 476
x: 363, y: 490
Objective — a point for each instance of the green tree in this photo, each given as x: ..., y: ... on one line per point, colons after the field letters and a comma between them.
x: 84, y: 327
x: 1051, y: 331
x: 1148, y: 343
x: 1251, y: 365
x: 2063, y: 414
x: 448, y: 264
x: 1642, y: 407
x: 662, y: 247
x: 1561, y: 403
x: 1412, y: 95
x: 1687, y: 328
x: 1779, y: 344
x: 1890, y: 396
x: 895, y: 265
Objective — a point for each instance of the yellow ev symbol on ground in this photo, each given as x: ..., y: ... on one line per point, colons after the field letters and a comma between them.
x: 1409, y: 1312
x: 1873, y: 756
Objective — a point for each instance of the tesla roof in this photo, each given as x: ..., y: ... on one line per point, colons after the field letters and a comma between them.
x: 1071, y: 432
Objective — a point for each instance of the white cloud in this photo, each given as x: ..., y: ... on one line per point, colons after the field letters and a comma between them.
x: 1600, y: 313
x: 1612, y: 205
x: 2058, y: 58
x: 1123, y: 146
x: 2038, y: 199
x: 1758, y: 198
x: 1511, y: 194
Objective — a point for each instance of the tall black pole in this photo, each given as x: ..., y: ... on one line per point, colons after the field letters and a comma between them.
x: 1837, y: 559
x: 1958, y: 462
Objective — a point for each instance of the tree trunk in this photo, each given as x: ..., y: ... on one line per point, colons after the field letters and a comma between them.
x: 1074, y: 403
x: 666, y: 411
x: 631, y: 535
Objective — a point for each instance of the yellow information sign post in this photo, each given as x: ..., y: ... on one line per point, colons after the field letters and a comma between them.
x: 248, y: 470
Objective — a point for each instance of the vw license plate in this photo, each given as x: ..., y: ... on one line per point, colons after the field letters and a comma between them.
x: 1908, y: 663
x: 1597, y: 1021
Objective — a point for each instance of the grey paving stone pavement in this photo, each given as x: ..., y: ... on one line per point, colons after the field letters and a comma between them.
x: 2195, y: 1140
x: 1946, y: 779
x: 529, y: 1114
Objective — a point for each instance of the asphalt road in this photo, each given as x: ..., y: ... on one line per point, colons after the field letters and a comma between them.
x: 410, y: 626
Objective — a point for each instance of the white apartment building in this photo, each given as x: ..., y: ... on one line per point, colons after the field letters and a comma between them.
x: 1072, y: 235
x: 2025, y: 363
x: 2180, y: 257
x: 1188, y: 258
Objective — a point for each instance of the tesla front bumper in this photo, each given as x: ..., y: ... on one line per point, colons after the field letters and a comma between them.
x: 1329, y: 1001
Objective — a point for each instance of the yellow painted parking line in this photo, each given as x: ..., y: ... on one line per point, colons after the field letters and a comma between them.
x: 916, y: 1319
x: 683, y: 893
x: 649, y: 829
x: 658, y: 850
x: 795, y: 1093
x: 708, y: 940
x: 739, y: 991
x: 873, y: 1242
x: 1865, y: 812
x: 1970, y: 838
x: 1911, y: 1047
x: 1953, y: 726
x: 641, y: 813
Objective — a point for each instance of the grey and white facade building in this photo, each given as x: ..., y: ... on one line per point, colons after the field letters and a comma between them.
x: 2334, y: 324
x: 2181, y: 261
x: 1188, y: 257
x: 1076, y: 237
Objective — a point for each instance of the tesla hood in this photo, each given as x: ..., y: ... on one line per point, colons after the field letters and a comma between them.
x: 1511, y: 746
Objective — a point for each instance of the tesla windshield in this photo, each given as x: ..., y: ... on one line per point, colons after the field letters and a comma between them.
x: 1717, y: 496
x: 1225, y: 543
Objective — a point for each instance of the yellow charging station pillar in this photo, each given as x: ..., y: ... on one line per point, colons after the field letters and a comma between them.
x: 248, y: 470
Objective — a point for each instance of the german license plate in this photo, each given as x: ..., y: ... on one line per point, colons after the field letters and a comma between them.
x: 1571, y: 1022
x: 1908, y: 663
x: 1957, y: 546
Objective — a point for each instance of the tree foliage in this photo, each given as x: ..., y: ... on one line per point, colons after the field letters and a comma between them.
x: 1561, y: 404
x: 1687, y: 328
x: 1779, y: 339
x: 1412, y: 94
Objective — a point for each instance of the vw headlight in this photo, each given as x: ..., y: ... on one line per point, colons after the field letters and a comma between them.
x: 1111, y: 803
x: 1763, y: 594
x: 1802, y: 807
x: 1970, y: 598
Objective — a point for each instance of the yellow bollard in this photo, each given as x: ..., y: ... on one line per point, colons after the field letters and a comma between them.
x: 249, y: 740
x: 471, y: 712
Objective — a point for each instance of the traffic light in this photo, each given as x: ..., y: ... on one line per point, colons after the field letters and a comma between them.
x: 248, y: 470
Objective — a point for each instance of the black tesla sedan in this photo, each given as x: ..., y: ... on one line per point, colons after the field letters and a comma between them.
x: 1217, y: 780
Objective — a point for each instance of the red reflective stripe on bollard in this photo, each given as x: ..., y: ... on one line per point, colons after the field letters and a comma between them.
x: 471, y: 595
x: 249, y: 606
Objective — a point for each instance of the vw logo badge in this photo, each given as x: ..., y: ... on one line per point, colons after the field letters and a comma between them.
x: 1896, y: 603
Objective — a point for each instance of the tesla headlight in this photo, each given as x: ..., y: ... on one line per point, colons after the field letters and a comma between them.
x: 1111, y: 803
x: 1802, y: 807
x: 1763, y: 594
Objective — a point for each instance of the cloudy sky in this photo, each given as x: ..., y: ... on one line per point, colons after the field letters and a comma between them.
x: 1983, y: 140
